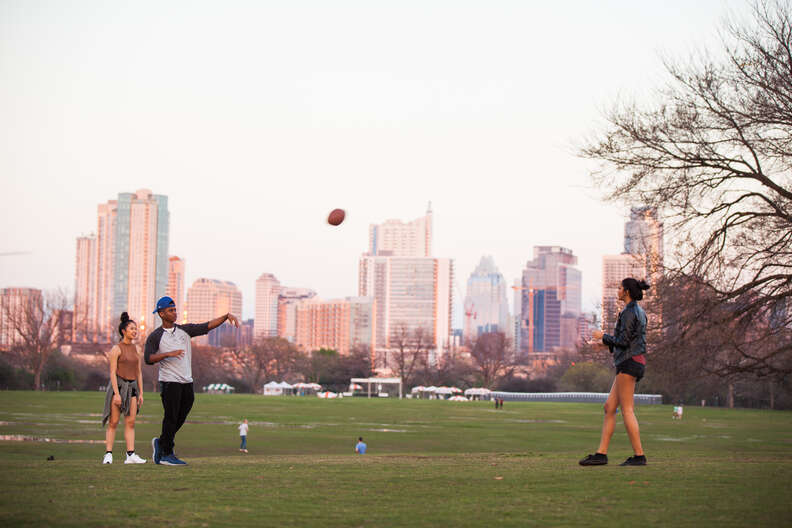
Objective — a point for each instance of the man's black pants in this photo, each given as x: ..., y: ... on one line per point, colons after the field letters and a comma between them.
x: 177, y: 400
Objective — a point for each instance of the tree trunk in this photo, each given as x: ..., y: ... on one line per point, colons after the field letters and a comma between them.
x: 772, y: 395
x: 37, y: 380
x: 731, y: 396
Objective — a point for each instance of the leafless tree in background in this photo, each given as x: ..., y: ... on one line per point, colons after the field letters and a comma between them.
x: 492, y: 357
x: 410, y: 351
x: 714, y: 153
x: 39, y: 324
x: 270, y: 357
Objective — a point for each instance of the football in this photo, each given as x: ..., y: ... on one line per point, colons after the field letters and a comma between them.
x: 336, y: 216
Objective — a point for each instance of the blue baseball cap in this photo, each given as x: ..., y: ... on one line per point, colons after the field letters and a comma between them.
x: 163, y: 303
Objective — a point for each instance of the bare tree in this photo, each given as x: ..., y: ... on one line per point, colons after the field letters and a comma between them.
x: 410, y: 350
x: 270, y: 357
x: 715, y: 155
x: 38, y: 326
x: 491, y: 353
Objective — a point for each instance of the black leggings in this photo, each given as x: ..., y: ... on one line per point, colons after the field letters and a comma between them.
x: 177, y: 400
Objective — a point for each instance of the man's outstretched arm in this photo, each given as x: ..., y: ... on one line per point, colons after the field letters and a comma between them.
x: 214, y: 323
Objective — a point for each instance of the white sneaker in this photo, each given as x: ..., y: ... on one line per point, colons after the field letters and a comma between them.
x: 134, y: 459
x: 108, y: 458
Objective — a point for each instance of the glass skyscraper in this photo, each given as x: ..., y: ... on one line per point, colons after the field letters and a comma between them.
x: 486, y: 306
x: 549, y: 301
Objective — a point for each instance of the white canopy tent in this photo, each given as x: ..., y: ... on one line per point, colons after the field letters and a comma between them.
x: 273, y: 388
x: 477, y: 391
x: 377, y: 383
x: 303, y: 389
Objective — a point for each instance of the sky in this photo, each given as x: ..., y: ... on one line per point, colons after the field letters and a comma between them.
x: 256, y: 118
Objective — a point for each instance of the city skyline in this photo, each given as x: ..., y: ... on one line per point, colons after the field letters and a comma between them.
x: 276, y: 303
x: 253, y: 159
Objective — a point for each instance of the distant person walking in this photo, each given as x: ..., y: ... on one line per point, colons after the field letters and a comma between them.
x: 169, y: 345
x: 360, y: 447
x: 628, y: 346
x: 243, y: 431
x: 124, y: 392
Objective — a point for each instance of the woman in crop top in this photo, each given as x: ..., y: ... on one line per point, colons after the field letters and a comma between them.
x: 124, y: 392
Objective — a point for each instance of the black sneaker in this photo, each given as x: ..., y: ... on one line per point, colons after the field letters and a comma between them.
x: 597, y: 459
x: 638, y: 460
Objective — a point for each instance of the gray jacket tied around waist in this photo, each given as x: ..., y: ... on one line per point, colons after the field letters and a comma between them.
x: 126, y: 389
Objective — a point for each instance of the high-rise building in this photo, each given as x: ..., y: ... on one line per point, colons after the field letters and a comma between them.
x: 265, y: 323
x: 517, y: 322
x: 130, y: 266
x: 642, y: 259
x: 550, y: 301
x: 85, y: 283
x: 175, y: 288
x: 339, y: 324
x: 13, y: 302
x: 288, y: 299
x: 141, y: 257
x: 211, y: 298
x: 643, y: 235
x: 246, y: 333
x: 411, y: 292
x: 616, y: 268
x: 486, y: 306
x: 105, y: 271
x: 400, y: 239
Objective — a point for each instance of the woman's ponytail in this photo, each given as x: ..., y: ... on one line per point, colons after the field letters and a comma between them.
x: 635, y: 288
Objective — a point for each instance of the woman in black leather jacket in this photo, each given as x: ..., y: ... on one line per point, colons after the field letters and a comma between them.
x: 628, y: 346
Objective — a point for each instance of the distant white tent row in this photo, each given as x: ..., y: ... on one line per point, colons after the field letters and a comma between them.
x: 219, y: 388
x: 434, y: 392
x: 309, y: 386
x: 273, y: 388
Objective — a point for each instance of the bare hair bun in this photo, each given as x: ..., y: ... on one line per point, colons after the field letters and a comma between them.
x: 125, y: 321
x: 635, y: 287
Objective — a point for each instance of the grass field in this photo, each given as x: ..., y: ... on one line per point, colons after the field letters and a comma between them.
x: 430, y: 463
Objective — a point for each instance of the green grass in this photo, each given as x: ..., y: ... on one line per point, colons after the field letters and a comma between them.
x: 430, y: 463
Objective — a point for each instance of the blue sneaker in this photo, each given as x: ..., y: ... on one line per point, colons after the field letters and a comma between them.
x: 171, y: 460
x: 156, y: 450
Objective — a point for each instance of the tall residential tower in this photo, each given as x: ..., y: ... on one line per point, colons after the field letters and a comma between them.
x: 129, y: 262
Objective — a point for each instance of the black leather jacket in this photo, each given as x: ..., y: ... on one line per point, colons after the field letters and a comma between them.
x: 629, y: 337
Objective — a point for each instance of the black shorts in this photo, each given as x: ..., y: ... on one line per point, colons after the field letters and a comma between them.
x: 631, y: 367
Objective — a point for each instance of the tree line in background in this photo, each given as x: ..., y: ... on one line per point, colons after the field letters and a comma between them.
x: 487, y: 361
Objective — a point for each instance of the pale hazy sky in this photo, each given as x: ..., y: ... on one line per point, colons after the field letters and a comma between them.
x: 257, y: 118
